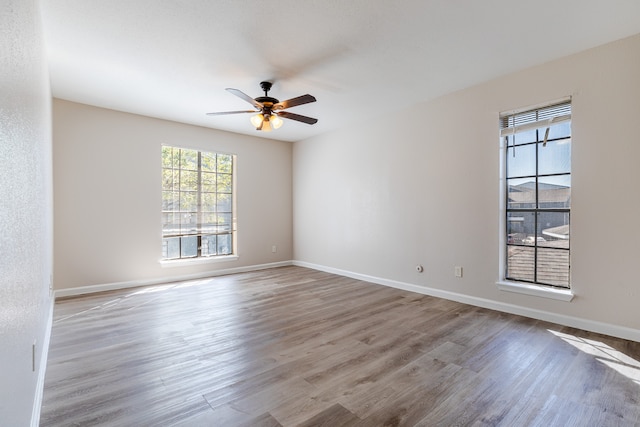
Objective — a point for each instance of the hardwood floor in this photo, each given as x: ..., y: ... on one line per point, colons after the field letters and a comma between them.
x: 298, y: 347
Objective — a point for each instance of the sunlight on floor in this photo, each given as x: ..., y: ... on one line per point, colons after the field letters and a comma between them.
x: 172, y: 285
x: 615, y: 359
x: 151, y: 289
x: 137, y: 292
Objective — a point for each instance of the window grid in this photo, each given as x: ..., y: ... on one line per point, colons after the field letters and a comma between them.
x: 537, y: 205
x: 197, y: 203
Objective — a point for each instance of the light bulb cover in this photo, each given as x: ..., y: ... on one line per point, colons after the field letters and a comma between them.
x: 256, y: 120
x: 266, y: 123
x: 275, y: 121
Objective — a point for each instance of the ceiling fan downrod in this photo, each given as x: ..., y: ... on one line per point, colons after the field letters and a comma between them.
x: 267, y: 100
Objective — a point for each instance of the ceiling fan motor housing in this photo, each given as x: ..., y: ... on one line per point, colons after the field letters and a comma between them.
x: 266, y: 100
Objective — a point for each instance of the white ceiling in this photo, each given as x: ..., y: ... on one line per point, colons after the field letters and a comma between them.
x: 173, y: 59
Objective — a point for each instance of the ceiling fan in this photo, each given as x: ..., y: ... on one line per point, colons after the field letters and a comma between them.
x: 270, y: 109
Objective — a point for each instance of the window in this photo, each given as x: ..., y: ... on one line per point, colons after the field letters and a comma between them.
x: 537, y: 146
x: 197, y: 203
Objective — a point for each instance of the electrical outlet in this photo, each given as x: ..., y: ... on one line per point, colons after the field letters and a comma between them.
x: 458, y: 271
x: 274, y: 249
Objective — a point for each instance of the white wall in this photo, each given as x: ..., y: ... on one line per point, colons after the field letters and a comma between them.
x: 25, y: 211
x: 422, y: 186
x: 107, y: 196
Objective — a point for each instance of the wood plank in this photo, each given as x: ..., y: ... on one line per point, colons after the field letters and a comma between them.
x: 293, y: 346
x: 334, y: 416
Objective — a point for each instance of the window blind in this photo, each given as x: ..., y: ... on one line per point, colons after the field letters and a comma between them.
x: 534, y: 119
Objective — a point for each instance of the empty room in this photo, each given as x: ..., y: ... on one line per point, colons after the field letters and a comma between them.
x: 319, y: 213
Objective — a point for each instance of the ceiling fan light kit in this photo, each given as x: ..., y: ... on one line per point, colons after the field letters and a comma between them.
x: 266, y: 123
x: 270, y: 110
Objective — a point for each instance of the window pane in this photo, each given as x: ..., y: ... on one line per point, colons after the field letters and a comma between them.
x: 208, y: 161
x: 553, y: 229
x: 167, y: 179
x: 554, y: 191
x: 520, y: 228
x: 553, y: 267
x: 188, y: 180
x: 224, y: 203
x: 189, y: 159
x: 522, y: 137
x: 167, y: 157
x: 225, y: 163
x: 520, y: 263
x: 224, y: 183
x: 208, y: 202
x: 208, y: 182
x: 171, y: 248
x: 521, y: 193
x: 188, y: 201
x: 224, y: 244
x: 224, y: 221
x: 521, y: 161
x: 555, y: 157
x: 209, y: 223
x: 170, y: 224
x: 188, y: 246
x: 170, y: 201
x: 560, y: 130
x: 176, y: 158
x: 188, y: 223
x: 208, y: 245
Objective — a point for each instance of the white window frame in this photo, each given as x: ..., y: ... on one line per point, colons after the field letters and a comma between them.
x: 206, y: 225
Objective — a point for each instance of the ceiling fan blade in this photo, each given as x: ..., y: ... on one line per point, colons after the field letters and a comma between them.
x: 241, y: 94
x: 304, y: 99
x: 232, y: 112
x: 297, y: 117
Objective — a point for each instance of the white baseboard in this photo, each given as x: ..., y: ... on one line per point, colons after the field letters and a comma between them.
x: 561, y: 319
x: 42, y: 369
x: 82, y: 290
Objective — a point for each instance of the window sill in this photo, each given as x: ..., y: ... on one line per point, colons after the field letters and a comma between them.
x: 194, y: 261
x: 536, y: 290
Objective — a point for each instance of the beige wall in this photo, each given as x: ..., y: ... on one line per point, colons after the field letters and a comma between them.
x: 107, y: 196
x: 26, y: 212
x: 423, y: 185
x: 419, y: 186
